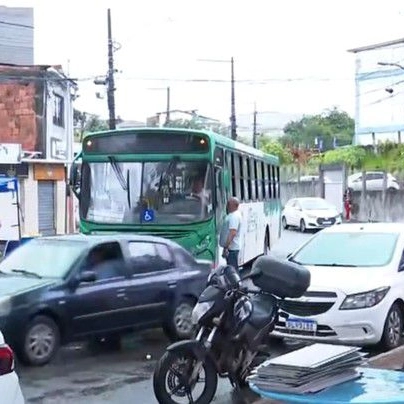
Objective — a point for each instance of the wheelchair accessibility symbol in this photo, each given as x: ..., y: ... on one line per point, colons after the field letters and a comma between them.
x: 148, y: 215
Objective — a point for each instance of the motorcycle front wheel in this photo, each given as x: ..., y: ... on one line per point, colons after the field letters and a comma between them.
x: 172, y: 379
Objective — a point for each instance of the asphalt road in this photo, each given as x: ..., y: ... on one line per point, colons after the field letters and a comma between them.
x: 80, y: 376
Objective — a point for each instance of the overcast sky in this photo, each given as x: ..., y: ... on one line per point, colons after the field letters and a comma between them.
x: 294, y: 52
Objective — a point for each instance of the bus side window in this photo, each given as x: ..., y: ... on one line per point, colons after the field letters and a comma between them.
x: 259, y: 180
x: 253, y: 180
x: 235, y: 162
x: 230, y: 169
x: 219, y: 195
x: 278, y: 180
x: 274, y: 190
x: 269, y: 181
x: 242, y: 179
x: 248, y: 181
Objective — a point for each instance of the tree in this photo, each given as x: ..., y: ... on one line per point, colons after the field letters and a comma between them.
x: 353, y: 156
x: 324, y: 127
x: 276, y: 148
x: 86, y: 123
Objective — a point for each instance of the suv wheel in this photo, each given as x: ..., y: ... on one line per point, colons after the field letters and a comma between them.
x: 180, y: 326
x: 393, y: 328
x: 41, y: 341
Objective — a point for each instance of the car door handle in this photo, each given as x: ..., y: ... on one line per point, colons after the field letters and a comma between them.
x: 172, y: 284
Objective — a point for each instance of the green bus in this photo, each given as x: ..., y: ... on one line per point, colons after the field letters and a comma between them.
x: 174, y: 183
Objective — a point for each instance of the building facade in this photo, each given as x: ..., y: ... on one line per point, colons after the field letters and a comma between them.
x: 379, y: 84
x: 36, y: 121
x: 17, y: 35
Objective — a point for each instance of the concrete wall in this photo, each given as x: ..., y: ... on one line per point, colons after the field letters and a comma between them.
x: 378, y: 207
x: 294, y: 189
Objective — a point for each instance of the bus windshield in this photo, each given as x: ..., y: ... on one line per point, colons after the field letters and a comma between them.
x: 163, y: 192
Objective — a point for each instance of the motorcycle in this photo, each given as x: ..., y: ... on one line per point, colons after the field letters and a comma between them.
x: 233, y: 322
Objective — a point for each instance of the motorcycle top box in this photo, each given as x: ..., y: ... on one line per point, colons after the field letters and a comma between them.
x: 280, y: 278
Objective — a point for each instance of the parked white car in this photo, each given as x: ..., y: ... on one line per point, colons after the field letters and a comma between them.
x: 357, y: 287
x: 309, y: 213
x: 9, y: 383
x: 374, y: 181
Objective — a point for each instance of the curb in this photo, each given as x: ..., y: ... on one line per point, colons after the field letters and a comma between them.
x: 391, y: 360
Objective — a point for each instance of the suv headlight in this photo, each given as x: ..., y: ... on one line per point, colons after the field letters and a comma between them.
x: 364, y: 300
x: 311, y: 216
x: 200, y: 310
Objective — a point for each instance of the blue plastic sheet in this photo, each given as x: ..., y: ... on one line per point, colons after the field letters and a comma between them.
x: 4, y: 184
x: 376, y: 386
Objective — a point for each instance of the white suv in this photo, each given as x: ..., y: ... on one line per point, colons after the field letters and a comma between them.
x: 374, y: 181
x: 9, y: 384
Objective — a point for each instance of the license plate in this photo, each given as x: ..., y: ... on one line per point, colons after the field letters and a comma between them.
x: 327, y: 222
x: 301, y: 325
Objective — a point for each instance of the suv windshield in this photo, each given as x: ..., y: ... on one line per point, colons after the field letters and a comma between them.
x: 348, y: 249
x: 169, y: 192
x: 43, y: 257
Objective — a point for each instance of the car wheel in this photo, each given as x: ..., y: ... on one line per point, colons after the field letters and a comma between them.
x: 302, y: 226
x: 393, y: 328
x: 41, y: 341
x: 284, y: 223
x: 180, y: 324
x: 391, y: 189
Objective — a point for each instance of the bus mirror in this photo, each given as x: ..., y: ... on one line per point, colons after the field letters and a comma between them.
x: 74, y: 179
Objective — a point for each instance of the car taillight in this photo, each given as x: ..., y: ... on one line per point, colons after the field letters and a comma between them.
x: 6, y: 360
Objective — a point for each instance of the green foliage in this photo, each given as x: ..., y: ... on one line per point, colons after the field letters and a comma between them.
x: 333, y: 123
x: 276, y: 148
x: 353, y: 156
x: 86, y: 123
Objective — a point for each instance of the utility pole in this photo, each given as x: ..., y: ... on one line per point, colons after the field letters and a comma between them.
x: 255, y: 127
x: 110, y: 77
x: 168, y: 107
x: 233, y: 104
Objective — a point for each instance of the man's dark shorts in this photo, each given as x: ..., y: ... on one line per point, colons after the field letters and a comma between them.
x: 232, y: 258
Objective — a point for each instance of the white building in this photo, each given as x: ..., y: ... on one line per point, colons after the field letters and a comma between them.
x: 36, y: 121
x: 379, y: 80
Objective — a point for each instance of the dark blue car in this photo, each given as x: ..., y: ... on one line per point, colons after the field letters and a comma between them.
x: 54, y: 290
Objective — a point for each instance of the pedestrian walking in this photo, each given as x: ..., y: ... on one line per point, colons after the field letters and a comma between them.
x: 347, y: 204
x: 230, y: 233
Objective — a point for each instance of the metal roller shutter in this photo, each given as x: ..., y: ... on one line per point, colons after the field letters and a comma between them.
x: 46, y: 208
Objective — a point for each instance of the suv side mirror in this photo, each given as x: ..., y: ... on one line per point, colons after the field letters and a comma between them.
x: 87, y: 276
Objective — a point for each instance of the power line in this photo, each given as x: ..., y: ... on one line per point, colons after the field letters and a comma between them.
x: 14, y: 24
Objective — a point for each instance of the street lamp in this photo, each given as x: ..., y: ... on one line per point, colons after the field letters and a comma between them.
x: 233, y: 124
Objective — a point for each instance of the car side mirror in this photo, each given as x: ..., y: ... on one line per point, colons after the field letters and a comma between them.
x: 401, y: 267
x: 87, y: 276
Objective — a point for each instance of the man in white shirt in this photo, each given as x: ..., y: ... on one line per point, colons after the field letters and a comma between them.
x: 230, y: 233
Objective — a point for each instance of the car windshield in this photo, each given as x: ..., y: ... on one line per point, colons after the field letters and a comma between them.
x: 169, y: 192
x: 43, y: 257
x: 348, y: 249
x: 314, y: 204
